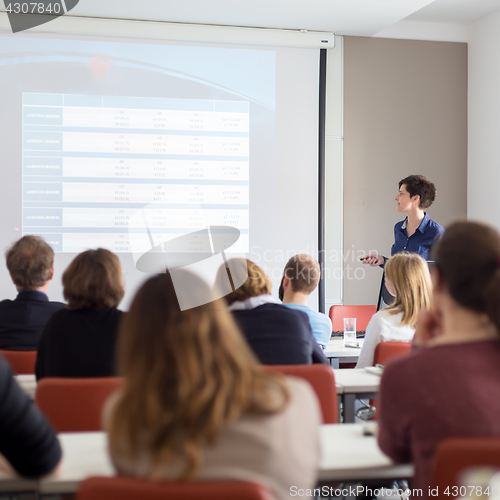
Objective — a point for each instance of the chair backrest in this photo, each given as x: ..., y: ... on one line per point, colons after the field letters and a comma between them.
x: 385, y: 351
x: 21, y: 362
x: 363, y: 315
x: 455, y: 455
x: 75, y: 404
x: 322, y: 380
x: 125, y: 488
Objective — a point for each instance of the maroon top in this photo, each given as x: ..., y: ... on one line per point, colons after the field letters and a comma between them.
x: 450, y: 390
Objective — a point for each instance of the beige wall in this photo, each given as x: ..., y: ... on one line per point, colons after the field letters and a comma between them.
x: 405, y: 112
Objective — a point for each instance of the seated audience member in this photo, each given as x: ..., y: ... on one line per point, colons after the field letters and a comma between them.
x: 278, y: 335
x: 196, y: 405
x: 80, y: 340
x: 450, y: 385
x: 30, y: 262
x: 408, y: 279
x: 300, y: 279
x: 27, y: 441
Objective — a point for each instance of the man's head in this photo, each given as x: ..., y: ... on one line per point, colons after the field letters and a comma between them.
x: 301, y: 275
x: 30, y: 262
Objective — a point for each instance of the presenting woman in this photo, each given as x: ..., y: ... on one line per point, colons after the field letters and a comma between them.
x: 417, y: 232
x: 196, y: 404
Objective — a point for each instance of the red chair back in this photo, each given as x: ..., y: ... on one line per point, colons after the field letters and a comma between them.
x: 125, y: 488
x: 322, y: 380
x: 75, y: 404
x: 455, y: 455
x: 385, y: 351
x: 363, y: 315
x: 21, y: 362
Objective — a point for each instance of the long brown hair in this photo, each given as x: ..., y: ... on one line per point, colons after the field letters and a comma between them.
x: 467, y: 260
x: 410, y: 275
x: 187, y: 374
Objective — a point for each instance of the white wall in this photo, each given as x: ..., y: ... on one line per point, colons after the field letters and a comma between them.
x: 333, y: 216
x: 484, y: 120
x: 415, y: 30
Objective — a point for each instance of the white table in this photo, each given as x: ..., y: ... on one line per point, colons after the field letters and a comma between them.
x: 346, y: 455
x: 336, y: 352
x: 352, y: 385
x: 27, y: 383
x: 84, y: 454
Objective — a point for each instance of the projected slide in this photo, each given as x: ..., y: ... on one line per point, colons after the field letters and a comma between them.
x: 91, y: 162
x: 98, y: 131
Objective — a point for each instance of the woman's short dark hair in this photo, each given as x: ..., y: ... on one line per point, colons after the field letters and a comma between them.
x: 467, y: 258
x: 419, y: 184
x: 93, y: 279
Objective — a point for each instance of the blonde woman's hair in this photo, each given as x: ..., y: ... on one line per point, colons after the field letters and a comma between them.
x: 255, y: 280
x: 410, y: 275
x: 187, y: 375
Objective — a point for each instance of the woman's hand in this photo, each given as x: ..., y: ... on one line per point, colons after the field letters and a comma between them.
x: 373, y: 260
x: 429, y: 327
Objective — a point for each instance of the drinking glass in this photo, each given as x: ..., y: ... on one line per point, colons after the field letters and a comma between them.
x: 349, y: 331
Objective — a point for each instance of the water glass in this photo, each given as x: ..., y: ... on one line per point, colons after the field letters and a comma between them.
x: 349, y: 331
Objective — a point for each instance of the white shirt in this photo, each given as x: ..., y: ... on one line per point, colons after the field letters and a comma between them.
x: 383, y: 327
x: 253, y: 302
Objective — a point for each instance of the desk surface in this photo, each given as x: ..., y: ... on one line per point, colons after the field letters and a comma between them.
x: 346, y: 455
x: 356, y: 381
x: 336, y: 349
x: 84, y: 454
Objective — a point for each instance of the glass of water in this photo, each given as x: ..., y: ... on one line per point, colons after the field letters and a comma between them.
x: 350, y: 331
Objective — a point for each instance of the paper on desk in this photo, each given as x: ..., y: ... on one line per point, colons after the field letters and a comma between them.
x: 356, y: 345
x: 374, y: 370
